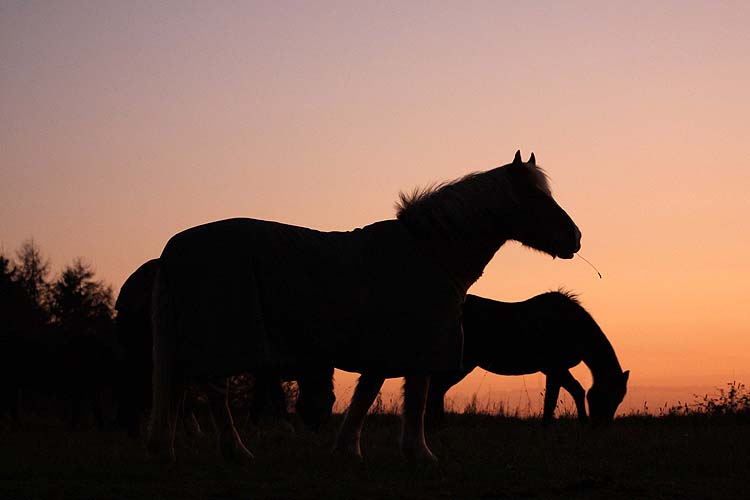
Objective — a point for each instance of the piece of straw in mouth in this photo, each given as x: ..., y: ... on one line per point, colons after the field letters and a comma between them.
x: 589, y: 263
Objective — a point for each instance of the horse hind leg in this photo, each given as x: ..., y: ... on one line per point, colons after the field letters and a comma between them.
x: 413, y: 444
x: 160, y: 440
x: 439, y: 385
x: 230, y: 444
x: 348, y: 438
x: 551, y: 393
x: 269, y: 404
x: 189, y: 420
x: 576, y: 390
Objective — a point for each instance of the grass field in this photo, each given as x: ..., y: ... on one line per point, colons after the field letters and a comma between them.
x: 482, y: 456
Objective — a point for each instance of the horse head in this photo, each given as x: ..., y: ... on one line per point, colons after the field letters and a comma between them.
x: 315, y: 399
x: 605, y: 396
x: 539, y: 222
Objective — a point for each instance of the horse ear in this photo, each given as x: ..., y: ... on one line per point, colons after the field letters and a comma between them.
x: 532, y: 159
x: 625, y: 375
x: 517, y: 158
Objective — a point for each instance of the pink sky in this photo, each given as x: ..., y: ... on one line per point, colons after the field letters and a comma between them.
x: 125, y: 122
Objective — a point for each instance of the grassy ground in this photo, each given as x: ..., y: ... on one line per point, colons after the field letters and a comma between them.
x: 481, y: 457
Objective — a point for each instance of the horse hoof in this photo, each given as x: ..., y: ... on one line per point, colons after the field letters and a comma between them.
x: 243, y: 456
x: 238, y: 455
x: 419, y: 456
x: 234, y: 451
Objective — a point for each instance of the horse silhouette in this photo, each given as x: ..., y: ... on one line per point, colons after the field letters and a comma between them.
x: 315, y: 396
x: 133, y: 332
x: 549, y: 333
x: 135, y: 343
x: 245, y: 295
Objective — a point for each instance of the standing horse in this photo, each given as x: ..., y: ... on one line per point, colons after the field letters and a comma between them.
x: 133, y: 332
x: 549, y: 333
x: 243, y: 294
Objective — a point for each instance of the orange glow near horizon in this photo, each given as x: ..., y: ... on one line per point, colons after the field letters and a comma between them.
x: 123, y: 124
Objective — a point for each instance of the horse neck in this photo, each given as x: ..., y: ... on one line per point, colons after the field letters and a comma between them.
x: 600, y: 357
x: 464, y: 260
x: 458, y: 228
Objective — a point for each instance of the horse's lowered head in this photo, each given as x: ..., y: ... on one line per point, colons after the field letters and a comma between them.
x: 605, y: 396
x: 315, y: 398
x: 539, y: 222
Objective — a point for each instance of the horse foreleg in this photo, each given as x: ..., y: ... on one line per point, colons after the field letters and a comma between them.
x: 192, y: 427
x: 551, y: 393
x: 347, y: 440
x: 413, y: 445
x: 570, y: 384
x: 439, y: 385
x: 229, y: 442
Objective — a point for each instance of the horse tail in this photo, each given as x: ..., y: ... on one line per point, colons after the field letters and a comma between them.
x: 163, y: 411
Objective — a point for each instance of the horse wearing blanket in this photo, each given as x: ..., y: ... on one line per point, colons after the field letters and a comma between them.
x: 245, y: 295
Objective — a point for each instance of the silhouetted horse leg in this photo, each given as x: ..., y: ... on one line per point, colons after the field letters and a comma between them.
x: 161, y: 432
x: 315, y: 397
x: 269, y: 402
x: 192, y: 427
x: 439, y: 385
x: 166, y: 390
x: 413, y: 445
x: 128, y: 414
x: 82, y: 398
x: 347, y: 440
x: 551, y: 393
x: 570, y: 384
x: 230, y: 444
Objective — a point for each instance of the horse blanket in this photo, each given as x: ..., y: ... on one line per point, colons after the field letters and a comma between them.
x: 250, y: 294
x: 135, y: 294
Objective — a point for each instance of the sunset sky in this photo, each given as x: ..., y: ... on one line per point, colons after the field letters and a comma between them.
x: 122, y: 123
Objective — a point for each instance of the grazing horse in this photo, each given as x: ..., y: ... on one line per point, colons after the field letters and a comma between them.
x: 133, y: 334
x: 315, y: 396
x: 245, y: 295
x: 549, y: 333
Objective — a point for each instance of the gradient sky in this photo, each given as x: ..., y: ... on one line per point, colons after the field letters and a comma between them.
x: 125, y: 122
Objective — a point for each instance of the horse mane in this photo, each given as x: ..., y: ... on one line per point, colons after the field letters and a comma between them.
x: 603, y: 361
x: 421, y: 194
x: 540, y: 177
x: 573, y: 296
x: 445, y: 203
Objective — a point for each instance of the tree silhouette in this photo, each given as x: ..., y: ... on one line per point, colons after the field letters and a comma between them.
x: 38, y: 366
x: 22, y: 313
x: 31, y: 272
x: 79, y: 304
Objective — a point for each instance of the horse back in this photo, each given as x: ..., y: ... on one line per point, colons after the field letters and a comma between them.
x: 364, y: 299
x: 548, y: 331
